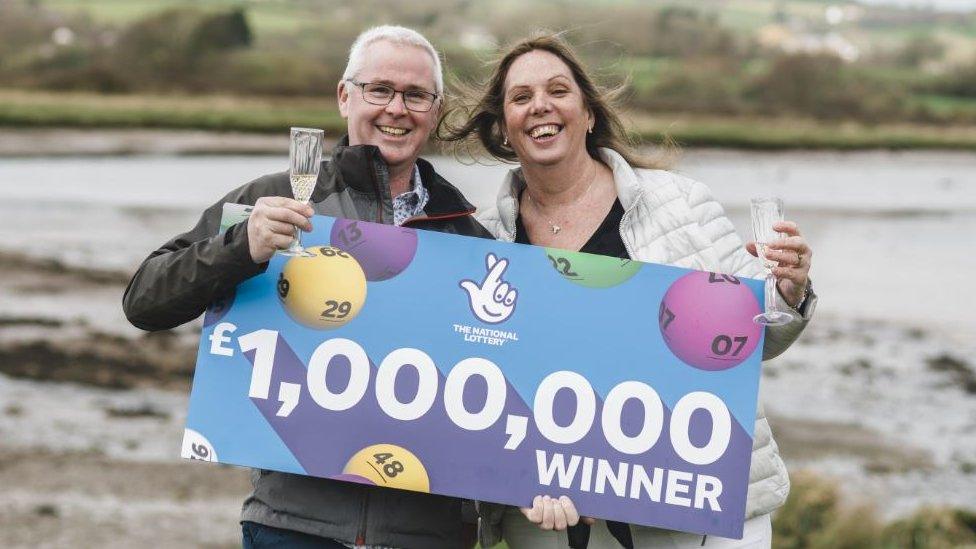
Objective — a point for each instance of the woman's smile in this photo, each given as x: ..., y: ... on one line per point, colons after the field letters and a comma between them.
x: 544, y: 132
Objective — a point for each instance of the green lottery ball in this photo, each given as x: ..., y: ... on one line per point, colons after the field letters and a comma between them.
x: 592, y: 271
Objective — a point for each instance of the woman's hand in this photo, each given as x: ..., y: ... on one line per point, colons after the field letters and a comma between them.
x: 553, y: 514
x: 794, y: 256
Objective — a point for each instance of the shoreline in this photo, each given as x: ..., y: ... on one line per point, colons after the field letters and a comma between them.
x: 75, y: 142
x: 97, y: 142
x: 246, y: 123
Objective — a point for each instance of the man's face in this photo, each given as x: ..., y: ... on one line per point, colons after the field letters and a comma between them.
x: 403, y: 68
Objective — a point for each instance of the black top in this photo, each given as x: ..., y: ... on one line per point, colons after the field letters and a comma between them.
x: 605, y: 240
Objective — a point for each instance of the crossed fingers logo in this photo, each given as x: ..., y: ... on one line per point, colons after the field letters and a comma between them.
x: 493, y: 300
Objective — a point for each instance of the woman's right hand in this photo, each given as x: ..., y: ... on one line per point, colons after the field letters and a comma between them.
x: 553, y: 514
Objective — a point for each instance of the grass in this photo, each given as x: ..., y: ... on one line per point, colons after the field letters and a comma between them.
x: 122, y: 12
x: 790, y: 133
x: 645, y: 72
x: 265, y: 17
x: 270, y: 115
x: 216, y: 113
x: 944, y: 105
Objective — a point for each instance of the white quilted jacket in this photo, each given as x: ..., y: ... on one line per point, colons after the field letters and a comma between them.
x: 674, y: 220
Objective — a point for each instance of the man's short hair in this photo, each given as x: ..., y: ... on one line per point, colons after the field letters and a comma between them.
x: 396, y: 35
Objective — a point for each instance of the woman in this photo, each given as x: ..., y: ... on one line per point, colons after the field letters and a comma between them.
x: 581, y: 186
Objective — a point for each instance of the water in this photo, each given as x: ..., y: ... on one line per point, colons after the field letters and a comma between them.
x: 888, y: 230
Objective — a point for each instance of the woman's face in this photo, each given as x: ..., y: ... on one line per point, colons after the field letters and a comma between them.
x: 545, y: 117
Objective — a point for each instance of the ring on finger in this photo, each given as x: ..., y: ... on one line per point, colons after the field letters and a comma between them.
x: 799, y: 259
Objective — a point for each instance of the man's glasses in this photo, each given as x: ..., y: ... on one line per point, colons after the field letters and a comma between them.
x: 381, y: 94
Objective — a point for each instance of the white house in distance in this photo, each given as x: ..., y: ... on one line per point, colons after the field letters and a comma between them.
x: 792, y: 38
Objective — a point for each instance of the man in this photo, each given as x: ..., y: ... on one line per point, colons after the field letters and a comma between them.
x: 390, y: 95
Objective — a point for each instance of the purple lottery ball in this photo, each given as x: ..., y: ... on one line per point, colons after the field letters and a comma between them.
x: 353, y: 478
x: 383, y: 251
x: 706, y: 320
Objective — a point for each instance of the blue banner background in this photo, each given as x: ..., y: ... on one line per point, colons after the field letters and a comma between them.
x: 608, y: 335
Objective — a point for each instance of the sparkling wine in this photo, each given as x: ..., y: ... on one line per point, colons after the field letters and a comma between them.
x: 304, y: 159
x: 302, y: 186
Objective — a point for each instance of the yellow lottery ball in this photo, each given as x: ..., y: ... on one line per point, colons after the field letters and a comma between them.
x: 391, y: 466
x: 322, y: 291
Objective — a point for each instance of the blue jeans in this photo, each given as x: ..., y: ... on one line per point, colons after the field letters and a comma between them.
x: 259, y: 536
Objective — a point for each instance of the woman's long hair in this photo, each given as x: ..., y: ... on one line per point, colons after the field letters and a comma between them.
x: 482, y: 110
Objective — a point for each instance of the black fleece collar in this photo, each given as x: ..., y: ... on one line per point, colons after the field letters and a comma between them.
x: 362, y: 167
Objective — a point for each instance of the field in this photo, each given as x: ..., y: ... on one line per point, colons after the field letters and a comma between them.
x: 698, y: 72
x: 274, y: 115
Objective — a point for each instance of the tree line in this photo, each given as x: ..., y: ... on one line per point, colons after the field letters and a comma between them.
x: 666, y: 58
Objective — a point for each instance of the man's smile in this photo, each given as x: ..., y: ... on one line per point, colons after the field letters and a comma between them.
x: 392, y: 130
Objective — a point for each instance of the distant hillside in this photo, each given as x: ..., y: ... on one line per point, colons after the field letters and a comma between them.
x: 827, y: 61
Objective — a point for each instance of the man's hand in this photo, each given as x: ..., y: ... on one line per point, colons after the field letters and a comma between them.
x: 272, y: 223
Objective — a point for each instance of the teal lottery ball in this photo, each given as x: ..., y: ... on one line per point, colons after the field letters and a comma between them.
x: 592, y: 271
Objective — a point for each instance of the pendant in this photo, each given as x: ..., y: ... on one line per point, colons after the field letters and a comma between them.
x: 555, y: 229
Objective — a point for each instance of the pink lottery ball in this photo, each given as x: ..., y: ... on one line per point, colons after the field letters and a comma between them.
x: 706, y: 320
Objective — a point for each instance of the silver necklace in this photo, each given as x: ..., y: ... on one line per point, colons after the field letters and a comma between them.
x: 552, y: 226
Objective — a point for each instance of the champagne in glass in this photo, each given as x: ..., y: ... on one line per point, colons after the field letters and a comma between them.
x: 765, y: 212
x: 305, y: 158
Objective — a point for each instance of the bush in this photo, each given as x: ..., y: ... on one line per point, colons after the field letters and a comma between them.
x: 820, y: 85
x: 221, y: 32
x: 178, y: 48
x: 77, y: 68
x: 23, y: 28
x: 814, y: 518
x: 703, y: 85
x: 683, y: 32
x: 933, y: 528
x: 958, y: 83
x: 919, y: 50
x: 253, y: 72
x: 153, y: 52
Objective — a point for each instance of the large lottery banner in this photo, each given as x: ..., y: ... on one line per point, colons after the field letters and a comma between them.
x: 487, y: 370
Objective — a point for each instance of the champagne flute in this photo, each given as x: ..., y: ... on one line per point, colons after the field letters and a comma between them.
x: 305, y: 158
x: 765, y: 212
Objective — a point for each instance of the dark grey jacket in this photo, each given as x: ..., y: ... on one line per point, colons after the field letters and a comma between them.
x: 178, y: 281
